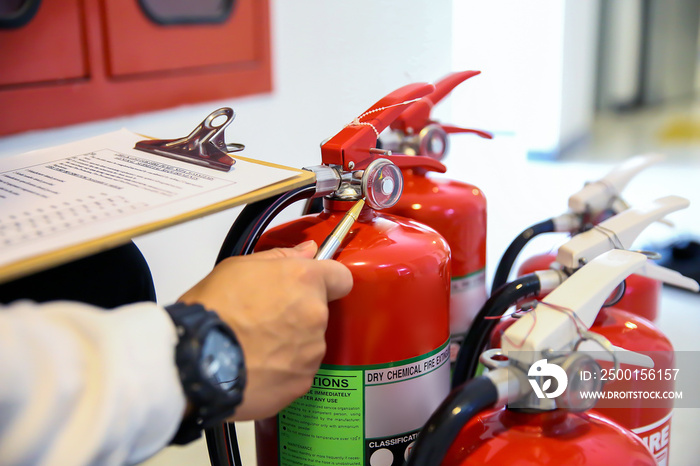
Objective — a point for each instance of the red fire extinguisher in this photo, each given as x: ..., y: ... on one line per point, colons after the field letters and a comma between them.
x: 455, y: 209
x: 386, y: 367
x: 622, y: 328
x: 546, y: 374
x: 595, y: 202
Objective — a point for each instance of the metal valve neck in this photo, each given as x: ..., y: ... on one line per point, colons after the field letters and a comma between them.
x: 331, y: 205
x: 350, y: 188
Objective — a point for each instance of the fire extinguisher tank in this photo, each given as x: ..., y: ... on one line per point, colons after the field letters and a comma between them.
x: 387, y: 363
x: 455, y: 209
x: 458, y: 211
x: 504, y: 436
x: 651, y: 421
x: 441, y: 204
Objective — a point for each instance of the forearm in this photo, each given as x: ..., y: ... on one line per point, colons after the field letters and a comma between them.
x: 81, y: 386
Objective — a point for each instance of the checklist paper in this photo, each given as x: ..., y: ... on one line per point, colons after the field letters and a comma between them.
x: 80, y: 195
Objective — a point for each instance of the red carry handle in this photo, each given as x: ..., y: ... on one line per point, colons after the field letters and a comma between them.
x: 416, y: 161
x: 449, y: 129
x: 353, y: 143
x: 417, y: 116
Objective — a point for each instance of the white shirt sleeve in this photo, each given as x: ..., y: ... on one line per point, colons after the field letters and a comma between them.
x: 83, y: 386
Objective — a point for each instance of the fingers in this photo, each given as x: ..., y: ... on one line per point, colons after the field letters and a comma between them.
x: 337, y: 278
x: 305, y: 250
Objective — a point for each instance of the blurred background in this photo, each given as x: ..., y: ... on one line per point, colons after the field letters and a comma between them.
x: 568, y: 87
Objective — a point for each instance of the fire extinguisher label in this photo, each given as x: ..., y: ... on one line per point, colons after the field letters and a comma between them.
x: 467, y: 296
x: 363, y: 415
x: 325, y: 426
x: 657, y: 437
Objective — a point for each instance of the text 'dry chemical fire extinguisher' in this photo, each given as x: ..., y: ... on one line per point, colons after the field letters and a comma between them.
x: 454, y: 209
x: 386, y: 367
x: 621, y: 328
x: 538, y: 375
x: 592, y: 204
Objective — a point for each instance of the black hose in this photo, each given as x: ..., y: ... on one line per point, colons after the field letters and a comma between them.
x: 313, y: 206
x: 508, y: 259
x: 240, y: 240
x: 254, y: 218
x: 222, y: 444
x: 507, y: 295
x: 460, y: 406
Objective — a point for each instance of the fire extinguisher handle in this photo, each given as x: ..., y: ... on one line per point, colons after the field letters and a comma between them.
x: 445, y: 85
x: 417, y: 116
x: 353, y: 143
x: 557, y: 322
x: 618, y: 231
x: 668, y: 276
x: 417, y: 161
x: 616, y: 355
x: 449, y: 129
x: 598, y: 195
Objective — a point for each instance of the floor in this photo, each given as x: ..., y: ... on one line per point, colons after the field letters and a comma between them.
x: 522, y: 192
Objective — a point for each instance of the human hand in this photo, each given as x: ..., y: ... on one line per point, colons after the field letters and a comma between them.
x: 276, y: 302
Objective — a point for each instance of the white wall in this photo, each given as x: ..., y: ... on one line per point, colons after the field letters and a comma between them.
x: 538, y: 64
x: 331, y: 61
x: 505, y: 41
x: 578, y: 72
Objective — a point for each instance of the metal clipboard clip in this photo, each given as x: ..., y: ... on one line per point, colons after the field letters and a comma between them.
x: 204, y: 146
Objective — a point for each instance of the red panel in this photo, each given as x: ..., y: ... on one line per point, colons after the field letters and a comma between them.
x: 101, y: 96
x: 168, y: 47
x: 48, y: 48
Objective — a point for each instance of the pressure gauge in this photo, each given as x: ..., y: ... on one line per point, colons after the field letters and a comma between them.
x: 432, y: 142
x: 576, y: 365
x: 382, y: 184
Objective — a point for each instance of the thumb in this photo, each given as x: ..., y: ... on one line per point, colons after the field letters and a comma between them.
x: 305, y: 250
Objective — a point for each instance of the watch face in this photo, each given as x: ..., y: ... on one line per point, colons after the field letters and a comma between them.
x: 221, y: 360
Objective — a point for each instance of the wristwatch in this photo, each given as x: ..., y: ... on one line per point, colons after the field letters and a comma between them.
x: 211, y: 365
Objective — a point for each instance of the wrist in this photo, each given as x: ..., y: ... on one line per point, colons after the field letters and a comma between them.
x: 211, y: 368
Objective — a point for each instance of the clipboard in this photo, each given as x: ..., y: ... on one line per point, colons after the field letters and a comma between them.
x: 113, y: 165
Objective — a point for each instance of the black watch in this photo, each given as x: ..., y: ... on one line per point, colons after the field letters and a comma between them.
x: 211, y: 365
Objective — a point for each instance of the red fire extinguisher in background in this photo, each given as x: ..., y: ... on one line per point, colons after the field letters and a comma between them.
x: 595, y: 202
x: 617, y: 232
x: 544, y: 372
x: 620, y: 327
x: 454, y: 209
x: 627, y: 329
x: 387, y: 361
